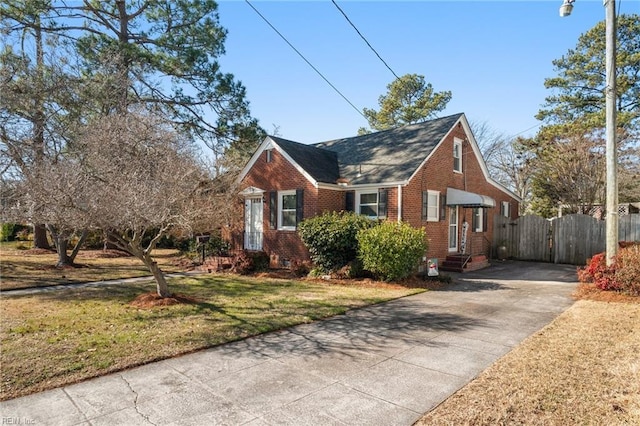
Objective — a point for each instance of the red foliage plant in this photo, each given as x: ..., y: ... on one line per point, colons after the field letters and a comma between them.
x: 623, y: 275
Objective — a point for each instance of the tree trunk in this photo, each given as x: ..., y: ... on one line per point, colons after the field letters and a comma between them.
x: 76, y: 249
x: 40, y: 239
x: 161, y: 283
x: 61, y: 248
x: 38, y: 121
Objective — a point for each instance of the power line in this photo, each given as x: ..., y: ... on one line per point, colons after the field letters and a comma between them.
x: 305, y: 59
x: 526, y: 130
x: 363, y: 38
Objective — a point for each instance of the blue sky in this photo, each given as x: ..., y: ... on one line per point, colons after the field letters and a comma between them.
x: 492, y: 55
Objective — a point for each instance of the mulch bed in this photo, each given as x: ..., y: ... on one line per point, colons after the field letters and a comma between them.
x: 152, y: 300
x: 588, y: 291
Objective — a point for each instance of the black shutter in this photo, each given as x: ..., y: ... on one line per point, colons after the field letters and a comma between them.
x: 349, y: 201
x: 425, y: 204
x: 485, y: 220
x: 299, y: 205
x: 273, y: 209
x: 382, y: 203
x: 474, y: 219
x: 443, y: 207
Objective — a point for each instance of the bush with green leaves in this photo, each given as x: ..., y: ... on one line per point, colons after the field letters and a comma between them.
x: 391, y: 250
x: 7, y: 232
x: 331, y: 238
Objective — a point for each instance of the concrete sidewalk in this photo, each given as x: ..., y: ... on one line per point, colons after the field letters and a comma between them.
x: 70, y: 286
x: 384, y: 365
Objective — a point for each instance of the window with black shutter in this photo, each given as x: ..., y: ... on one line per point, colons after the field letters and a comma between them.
x: 382, y: 203
x: 299, y: 205
x: 350, y: 201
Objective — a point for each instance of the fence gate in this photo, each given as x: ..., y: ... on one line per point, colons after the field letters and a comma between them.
x: 569, y: 239
x: 526, y: 238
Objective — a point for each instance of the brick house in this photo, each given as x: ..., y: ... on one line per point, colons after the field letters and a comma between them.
x: 429, y: 175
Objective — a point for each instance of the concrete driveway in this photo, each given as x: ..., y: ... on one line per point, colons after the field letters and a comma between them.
x: 384, y: 365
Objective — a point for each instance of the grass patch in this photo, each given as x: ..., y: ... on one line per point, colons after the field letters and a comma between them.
x: 36, y: 268
x: 583, y: 368
x: 58, y: 338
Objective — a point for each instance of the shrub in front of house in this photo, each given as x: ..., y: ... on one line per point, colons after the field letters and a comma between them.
x: 623, y: 275
x: 391, y: 251
x: 331, y: 238
x: 248, y: 262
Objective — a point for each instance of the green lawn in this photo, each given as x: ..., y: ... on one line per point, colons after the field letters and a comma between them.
x: 57, y: 338
x: 21, y: 268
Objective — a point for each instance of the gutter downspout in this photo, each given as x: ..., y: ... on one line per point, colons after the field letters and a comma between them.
x: 399, y: 203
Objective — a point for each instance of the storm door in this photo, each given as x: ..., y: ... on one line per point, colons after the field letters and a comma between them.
x: 253, y: 223
x: 453, y: 228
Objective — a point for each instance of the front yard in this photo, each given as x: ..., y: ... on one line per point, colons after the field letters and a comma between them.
x: 61, y: 337
x: 36, y: 268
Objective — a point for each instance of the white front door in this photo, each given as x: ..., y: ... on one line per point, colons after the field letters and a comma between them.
x: 253, y: 223
x: 453, y: 228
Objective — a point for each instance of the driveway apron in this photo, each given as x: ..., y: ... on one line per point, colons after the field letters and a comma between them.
x: 385, y: 364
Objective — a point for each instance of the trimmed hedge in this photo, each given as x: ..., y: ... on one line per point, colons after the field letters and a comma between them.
x: 391, y: 251
x: 331, y: 238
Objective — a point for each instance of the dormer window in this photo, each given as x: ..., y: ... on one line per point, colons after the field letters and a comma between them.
x: 457, y: 155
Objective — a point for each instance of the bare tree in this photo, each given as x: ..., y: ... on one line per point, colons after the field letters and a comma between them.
x: 508, y: 160
x: 145, y: 182
x: 130, y: 175
x: 568, y: 171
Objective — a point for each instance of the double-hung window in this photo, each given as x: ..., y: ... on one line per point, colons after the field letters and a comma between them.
x: 479, y: 220
x: 287, y: 210
x: 431, y: 206
x: 372, y: 204
x: 457, y: 155
x: 505, y: 209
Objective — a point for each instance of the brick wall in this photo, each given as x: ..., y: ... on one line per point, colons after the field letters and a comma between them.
x: 280, y: 175
x: 437, y: 175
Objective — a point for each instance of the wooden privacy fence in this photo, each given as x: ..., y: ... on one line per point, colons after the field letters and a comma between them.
x: 569, y: 239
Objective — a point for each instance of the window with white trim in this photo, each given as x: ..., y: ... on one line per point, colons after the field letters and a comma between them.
x: 269, y: 155
x: 287, y: 210
x: 431, y: 206
x: 457, y: 155
x: 505, y: 209
x: 372, y: 204
x: 478, y: 223
x: 368, y: 204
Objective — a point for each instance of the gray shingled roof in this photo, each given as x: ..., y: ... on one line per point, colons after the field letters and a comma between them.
x: 388, y: 156
x: 321, y: 164
x: 391, y: 155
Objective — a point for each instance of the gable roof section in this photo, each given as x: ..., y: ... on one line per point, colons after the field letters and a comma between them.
x: 315, y: 164
x: 320, y: 164
x: 389, y: 156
